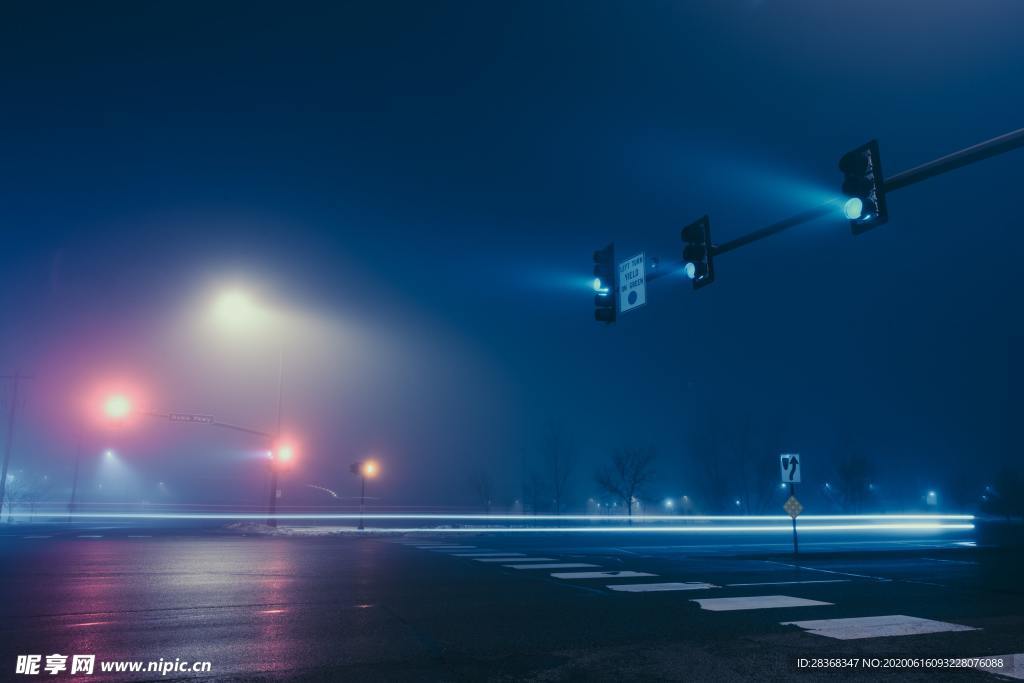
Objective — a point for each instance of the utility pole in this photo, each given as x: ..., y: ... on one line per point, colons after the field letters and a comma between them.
x: 362, y: 498
x: 74, y: 481
x: 274, y: 467
x: 796, y: 544
x: 9, y: 441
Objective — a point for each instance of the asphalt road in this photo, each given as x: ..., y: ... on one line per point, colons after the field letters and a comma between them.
x: 395, y: 608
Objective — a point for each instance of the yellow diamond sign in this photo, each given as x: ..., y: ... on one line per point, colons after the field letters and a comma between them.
x: 793, y: 507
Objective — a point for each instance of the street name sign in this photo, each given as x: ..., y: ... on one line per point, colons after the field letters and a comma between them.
x: 632, y: 283
x: 190, y: 417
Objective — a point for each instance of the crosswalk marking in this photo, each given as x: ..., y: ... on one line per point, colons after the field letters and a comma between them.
x: 515, y: 559
x: 658, y: 587
x: 555, y: 565
x: 875, y: 627
x: 600, y: 575
x: 1013, y: 666
x: 756, y: 602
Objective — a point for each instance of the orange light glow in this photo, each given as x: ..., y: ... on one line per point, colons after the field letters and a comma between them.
x: 370, y: 469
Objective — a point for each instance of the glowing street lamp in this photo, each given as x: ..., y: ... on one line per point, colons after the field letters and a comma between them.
x: 367, y: 468
x: 236, y: 312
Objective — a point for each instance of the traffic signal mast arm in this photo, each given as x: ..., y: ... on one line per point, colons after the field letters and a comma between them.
x: 215, y: 423
x: 979, y: 152
x: 775, y: 228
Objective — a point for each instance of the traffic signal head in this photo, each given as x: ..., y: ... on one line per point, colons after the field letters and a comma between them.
x: 698, y: 253
x: 864, y: 188
x: 604, y: 285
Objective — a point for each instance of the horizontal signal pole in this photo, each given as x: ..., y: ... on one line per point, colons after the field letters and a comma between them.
x: 775, y: 228
x: 216, y: 423
x: 978, y: 152
x: 963, y: 157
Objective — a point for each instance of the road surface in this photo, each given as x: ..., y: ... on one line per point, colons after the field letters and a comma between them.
x: 501, y: 607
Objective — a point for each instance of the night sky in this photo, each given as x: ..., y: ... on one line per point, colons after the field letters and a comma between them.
x: 415, y: 190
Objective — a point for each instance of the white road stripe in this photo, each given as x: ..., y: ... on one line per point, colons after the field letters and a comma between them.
x: 1013, y: 666
x: 875, y: 627
x: 35, y: 537
x: 829, y: 571
x: 515, y: 559
x: 658, y: 587
x: 600, y: 575
x: 787, y: 583
x: 756, y: 602
x: 138, y: 536
x: 556, y: 565
x: 935, y: 559
x: 100, y: 536
x: 488, y: 554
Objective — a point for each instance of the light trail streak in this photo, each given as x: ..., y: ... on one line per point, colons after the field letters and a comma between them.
x: 284, y: 516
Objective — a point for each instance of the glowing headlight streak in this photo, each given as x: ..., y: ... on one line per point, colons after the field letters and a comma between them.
x: 782, y: 528
x: 864, y: 522
x: 588, y: 518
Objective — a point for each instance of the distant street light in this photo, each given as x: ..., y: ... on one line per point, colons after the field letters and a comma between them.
x: 364, y: 469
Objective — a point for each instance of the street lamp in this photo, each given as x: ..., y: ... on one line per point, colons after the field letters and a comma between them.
x: 281, y: 456
x: 364, y: 469
x: 235, y: 309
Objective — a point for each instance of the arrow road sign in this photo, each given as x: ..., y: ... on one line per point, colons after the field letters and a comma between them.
x: 632, y: 283
x: 790, y: 466
x: 793, y: 507
x: 190, y: 417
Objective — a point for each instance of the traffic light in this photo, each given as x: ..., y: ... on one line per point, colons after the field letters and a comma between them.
x: 698, y: 254
x: 604, y: 285
x: 863, y: 185
x: 283, y: 454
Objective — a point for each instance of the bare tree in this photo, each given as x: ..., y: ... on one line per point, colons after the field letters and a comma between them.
x: 853, y: 476
x: 482, y: 486
x: 626, y: 474
x: 533, y: 491
x: 559, y: 460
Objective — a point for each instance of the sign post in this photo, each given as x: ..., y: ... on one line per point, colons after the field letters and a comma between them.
x: 632, y: 283
x: 789, y: 464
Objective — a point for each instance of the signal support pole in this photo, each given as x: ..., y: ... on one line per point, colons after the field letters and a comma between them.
x: 272, y: 507
x: 9, y: 441
x: 796, y: 544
